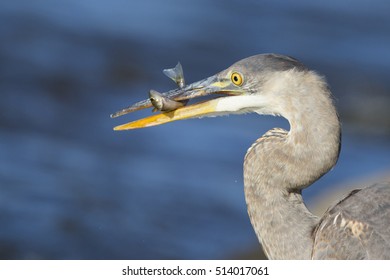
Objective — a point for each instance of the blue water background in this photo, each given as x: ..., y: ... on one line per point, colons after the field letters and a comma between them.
x: 72, y: 188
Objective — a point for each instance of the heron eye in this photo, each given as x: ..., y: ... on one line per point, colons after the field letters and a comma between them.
x: 237, y: 78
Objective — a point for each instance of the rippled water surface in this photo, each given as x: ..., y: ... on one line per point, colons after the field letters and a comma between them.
x: 71, y: 188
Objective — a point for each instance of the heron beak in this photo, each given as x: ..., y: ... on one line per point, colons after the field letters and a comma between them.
x: 204, y: 87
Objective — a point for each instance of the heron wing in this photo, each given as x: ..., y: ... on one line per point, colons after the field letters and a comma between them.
x: 357, y: 227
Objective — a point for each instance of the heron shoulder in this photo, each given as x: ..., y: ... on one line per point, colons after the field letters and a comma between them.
x: 357, y: 227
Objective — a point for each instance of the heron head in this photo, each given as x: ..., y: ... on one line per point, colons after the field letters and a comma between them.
x: 241, y: 88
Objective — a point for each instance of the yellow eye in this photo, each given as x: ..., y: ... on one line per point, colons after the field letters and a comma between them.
x: 237, y: 78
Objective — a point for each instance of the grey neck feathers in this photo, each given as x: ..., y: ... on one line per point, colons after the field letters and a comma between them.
x: 280, y: 164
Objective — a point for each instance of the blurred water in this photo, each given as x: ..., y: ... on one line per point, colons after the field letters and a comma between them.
x: 71, y: 188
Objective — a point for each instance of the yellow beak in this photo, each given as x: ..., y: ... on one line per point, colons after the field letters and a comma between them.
x: 186, y: 112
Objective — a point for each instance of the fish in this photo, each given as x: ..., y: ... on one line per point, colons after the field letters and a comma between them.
x: 176, y: 74
x: 163, y: 103
x: 159, y: 101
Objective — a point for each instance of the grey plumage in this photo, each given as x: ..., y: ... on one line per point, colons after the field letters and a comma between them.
x: 361, y: 222
x: 280, y: 164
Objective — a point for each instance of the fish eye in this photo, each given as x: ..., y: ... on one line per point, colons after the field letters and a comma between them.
x: 237, y: 78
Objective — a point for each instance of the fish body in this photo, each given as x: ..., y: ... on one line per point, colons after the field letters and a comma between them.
x: 163, y: 103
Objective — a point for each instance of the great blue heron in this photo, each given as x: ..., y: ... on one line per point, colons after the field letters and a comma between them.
x: 280, y: 164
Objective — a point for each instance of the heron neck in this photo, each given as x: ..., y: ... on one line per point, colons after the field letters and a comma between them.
x: 278, y: 166
x: 286, y: 227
